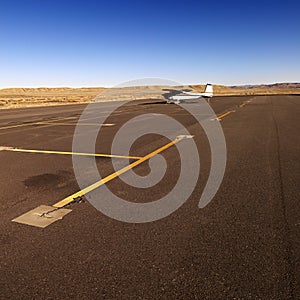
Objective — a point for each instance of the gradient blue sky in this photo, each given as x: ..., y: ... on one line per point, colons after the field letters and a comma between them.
x: 103, y: 43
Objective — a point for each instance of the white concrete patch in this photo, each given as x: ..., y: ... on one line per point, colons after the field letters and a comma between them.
x: 4, y: 148
x: 42, y: 216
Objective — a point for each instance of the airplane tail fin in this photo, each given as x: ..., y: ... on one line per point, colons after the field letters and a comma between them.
x: 209, y: 89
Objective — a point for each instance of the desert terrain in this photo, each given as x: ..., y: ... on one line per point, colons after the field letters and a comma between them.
x: 29, y: 97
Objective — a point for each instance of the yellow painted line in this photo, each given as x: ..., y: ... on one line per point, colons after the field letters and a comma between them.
x: 245, y: 103
x: 80, y: 124
x: 112, y: 176
x: 58, y: 119
x: 34, y: 123
x: 225, y: 114
x: 69, y: 153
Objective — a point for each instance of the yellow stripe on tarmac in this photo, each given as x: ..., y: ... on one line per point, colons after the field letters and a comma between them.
x: 34, y: 123
x: 70, y: 153
x: 225, y: 114
x: 243, y: 104
x: 80, y: 124
x: 114, y: 175
x: 58, y: 119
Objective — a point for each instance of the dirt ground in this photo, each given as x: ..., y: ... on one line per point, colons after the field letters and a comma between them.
x: 30, y: 97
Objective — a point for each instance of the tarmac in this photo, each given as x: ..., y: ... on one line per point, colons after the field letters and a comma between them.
x: 245, y: 244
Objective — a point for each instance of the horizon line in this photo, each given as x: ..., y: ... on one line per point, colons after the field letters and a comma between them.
x: 109, y: 87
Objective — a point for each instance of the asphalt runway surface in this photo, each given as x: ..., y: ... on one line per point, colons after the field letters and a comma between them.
x: 245, y: 244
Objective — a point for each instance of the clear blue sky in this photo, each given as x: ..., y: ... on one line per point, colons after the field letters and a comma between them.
x: 103, y: 43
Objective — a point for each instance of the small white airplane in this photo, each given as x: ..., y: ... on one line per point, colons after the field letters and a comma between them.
x: 184, y: 95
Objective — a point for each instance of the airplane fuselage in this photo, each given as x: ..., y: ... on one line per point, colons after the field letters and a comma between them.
x: 191, y: 95
x: 188, y: 97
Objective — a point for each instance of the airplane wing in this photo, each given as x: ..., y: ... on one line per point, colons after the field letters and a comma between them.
x: 175, y: 96
x: 191, y: 93
x: 170, y: 93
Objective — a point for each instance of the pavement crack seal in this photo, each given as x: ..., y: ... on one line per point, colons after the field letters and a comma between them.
x: 43, y: 215
x: 46, y: 214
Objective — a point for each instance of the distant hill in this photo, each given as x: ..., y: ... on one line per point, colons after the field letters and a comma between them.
x: 287, y: 85
x: 260, y: 89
